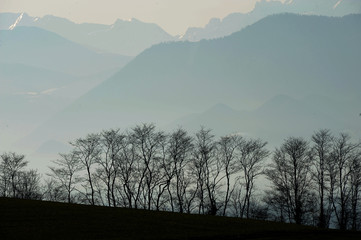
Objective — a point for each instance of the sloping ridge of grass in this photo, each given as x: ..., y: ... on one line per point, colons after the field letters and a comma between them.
x: 28, y: 219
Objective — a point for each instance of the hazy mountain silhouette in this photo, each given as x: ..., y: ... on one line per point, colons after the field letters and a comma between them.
x: 20, y: 78
x: 9, y: 21
x: 41, y: 73
x: 220, y: 117
x: 236, y: 21
x: 290, y: 55
x: 43, y: 49
x: 35, y: 94
x: 276, y: 119
x: 123, y: 37
x: 131, y: 37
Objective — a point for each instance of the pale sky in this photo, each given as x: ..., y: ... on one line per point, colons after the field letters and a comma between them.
x: 174, y: 16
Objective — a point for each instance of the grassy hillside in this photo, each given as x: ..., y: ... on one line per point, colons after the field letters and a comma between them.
x: 24, y: 219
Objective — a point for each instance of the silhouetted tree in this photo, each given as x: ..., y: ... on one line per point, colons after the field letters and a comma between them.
x: 164, y: 175
x: 252, y: 154
x: 129, y: 167
x: 258, y: 209
x: 341, y: 158
x: 227, y: 152
x: 355, y: 181
x: 87, y: 150
x: 52, y: 191
x: 28, y: 185
x: 291, y: 178
x: 321, y: 151
x: 147, y: 168
x: 178, y: 152
x: 149, y: 145
x: 278, y: 205
x: 12, y: 165
x: 66, y: 173
x: 111, y: 143
x: 207, y: 169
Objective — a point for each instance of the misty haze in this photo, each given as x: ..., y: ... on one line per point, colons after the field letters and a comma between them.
x: 247, y: 109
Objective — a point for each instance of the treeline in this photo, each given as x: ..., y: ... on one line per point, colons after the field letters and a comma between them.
x: 315, y: 182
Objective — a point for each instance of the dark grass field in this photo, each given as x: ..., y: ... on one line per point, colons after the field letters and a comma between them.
x: 24, y: 219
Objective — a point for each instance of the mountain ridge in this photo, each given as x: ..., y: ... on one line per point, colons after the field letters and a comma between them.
x: 64, y: 55
x: 103, y: 37
x: 123, y: 37
x: 235, y: 22
x: 247, y: 68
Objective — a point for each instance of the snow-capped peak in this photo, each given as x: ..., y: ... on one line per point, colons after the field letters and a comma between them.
x: 16, y: 22
x: 338, y: 3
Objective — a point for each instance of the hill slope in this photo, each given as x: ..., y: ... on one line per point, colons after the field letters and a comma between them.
x: 25, y: 219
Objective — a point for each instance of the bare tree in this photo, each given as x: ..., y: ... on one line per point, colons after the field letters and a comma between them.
x: 129, y: 167
x: 341, y: 157
x: 332, y: 175
x: 258, y: 210
x: 66, y: 173
x: 290, y: 175
x: 146, y: 168
x: 207, y: 169
x: 111, y: 143
x: 321, y: 151
x: 278, y: 205
x: 164, y: 175
x: 179, y: 151
x: 355, y: 181
x: 11, y: 165
x: 52, y: 191
x: 148, y: 144
x: 251, y: 158
x: 5, y: 186
x: 29, y: 185
x: 227, y: 152
x: 87, y: 150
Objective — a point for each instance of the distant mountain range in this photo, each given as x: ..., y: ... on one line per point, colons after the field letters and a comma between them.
x: 236, y: 21
x: 123, y: 37
x: 41, y: 48
x: 291, y: 74
x: 278, y: 118
x: 131, y: 37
